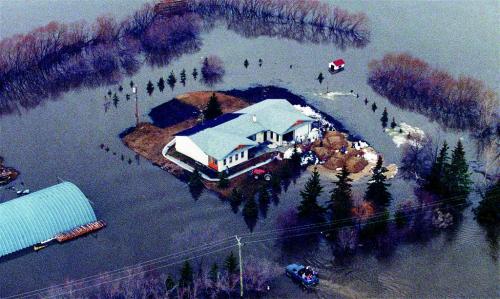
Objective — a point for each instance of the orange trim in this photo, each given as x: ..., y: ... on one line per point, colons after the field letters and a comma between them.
x: 298, y: 123
x: 212, y: 163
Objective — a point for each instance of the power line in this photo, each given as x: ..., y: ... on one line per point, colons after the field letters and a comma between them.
x: 131, y: 267
x: 226, y: 240
x: 327, y: 223
x: 326, y: 230
x: 145, y: 271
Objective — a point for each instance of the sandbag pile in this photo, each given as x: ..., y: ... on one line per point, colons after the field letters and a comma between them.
x: 328, y: 150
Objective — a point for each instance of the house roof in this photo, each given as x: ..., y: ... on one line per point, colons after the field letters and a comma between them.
x: 338, y: 62
x: 41, y: 215
x: 276, y: 115
x: 221, y: 136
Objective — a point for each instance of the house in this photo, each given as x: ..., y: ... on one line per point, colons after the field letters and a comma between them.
x: 336, y: 65
x: 234, y: 138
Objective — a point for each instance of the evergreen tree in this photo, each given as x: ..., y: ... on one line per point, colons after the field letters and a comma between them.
x: 235, y: 199
x: 230, y: 264
x: 169, y: 283
x: 264, y: 199
x: 276, y: 182
x: 374, y: 107
x: 285, y: 170
x: 127, y: 96
x: 115, y: 100
x: 296, y: 157
x: 376, y: 225
x: 183, y: 77
x: 320, y: 78
x: 120, y: 88
x: 213, y: 109
x: 260, y: 62
x: 436, y: 179
x: 366, y: 101
x: 195, y: 180
x: 458, y: 183
x: 309, y: 208
x: 340, y: 203
x: 110, y: 92
x: 250, y: 210
x: 195, y: 74
x: 161, y: 84
x: 223, y: 181
x: 488, y: 211
x: 213, y: 274
x: 171, y: 80
x: 150, y: 88
x: 400, y: 218
x: 385, y: 118
x: 393, y: 123
x: 377, y: 187
x: 186, y: 275
x: 246, y: 63
x: 131, y: 83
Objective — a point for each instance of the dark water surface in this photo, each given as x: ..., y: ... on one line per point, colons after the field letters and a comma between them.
x: 150, y: 213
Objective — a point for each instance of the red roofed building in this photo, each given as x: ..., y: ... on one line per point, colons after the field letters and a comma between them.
x: 336, y: 65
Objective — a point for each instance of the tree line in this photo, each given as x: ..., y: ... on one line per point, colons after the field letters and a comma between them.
x: 313, y: 12
x: 52, y: 59
x: 446, y: 179
x: 255, y: 23
x: 458, y: 103
x: 192, y: 281
x: 340, y: 210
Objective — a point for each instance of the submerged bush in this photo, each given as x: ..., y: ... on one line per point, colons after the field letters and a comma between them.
x: 410, y: 83
x: 212, y: 70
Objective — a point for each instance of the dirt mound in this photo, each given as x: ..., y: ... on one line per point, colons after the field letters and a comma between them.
x: 333, y: 163
x: 334, y: 140
x: 356, y: 164
x: 323, y: 153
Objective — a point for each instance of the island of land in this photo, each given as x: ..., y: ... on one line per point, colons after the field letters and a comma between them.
x: 334, y: 149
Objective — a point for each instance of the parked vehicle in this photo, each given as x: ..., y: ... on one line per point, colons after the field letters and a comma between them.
x: 259, y: 173
x: 305, y: 276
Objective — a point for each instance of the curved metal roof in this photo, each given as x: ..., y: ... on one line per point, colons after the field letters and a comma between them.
x: 39, y: 216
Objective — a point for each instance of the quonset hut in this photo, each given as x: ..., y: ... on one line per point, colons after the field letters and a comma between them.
x: 41, y: 215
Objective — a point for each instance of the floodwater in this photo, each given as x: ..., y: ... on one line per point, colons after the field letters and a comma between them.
x: 150, y: 213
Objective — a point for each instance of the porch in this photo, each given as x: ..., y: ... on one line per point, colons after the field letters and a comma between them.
x: 267, y: 147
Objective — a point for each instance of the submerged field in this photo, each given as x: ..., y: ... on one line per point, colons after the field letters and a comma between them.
x: 151, y: 213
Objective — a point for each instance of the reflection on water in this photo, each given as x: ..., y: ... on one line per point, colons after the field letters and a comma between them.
x: 105, y: 59
x: 146, y: 211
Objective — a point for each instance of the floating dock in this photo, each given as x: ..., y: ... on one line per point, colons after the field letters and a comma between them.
x: 80, y: 231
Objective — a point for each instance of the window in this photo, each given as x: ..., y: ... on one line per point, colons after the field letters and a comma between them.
x: 242, y: 154
x: 231, y: 159
x: 224, y: 161
x: 236, y: 157
x: 272, y: 135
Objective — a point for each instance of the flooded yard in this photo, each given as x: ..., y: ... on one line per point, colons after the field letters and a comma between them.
x: 150, y: 213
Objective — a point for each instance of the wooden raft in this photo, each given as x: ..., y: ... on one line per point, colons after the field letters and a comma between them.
x: 80, y: 231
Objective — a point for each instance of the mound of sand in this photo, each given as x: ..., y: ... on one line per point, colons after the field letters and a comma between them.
x: 334, y: 140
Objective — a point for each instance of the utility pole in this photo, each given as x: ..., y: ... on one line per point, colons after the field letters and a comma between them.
x: 134, y: 90
x: 241, y: 266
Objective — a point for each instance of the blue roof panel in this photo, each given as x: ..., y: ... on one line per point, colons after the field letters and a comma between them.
x: 209, y: 124
x: 41, y: 215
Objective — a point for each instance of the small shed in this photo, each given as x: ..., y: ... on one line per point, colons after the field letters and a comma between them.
x: 336, y: 65
x: 41, y: 215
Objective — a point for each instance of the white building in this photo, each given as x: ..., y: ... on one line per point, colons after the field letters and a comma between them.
x: 234, y: 138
